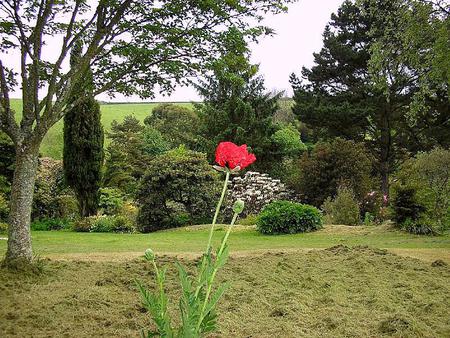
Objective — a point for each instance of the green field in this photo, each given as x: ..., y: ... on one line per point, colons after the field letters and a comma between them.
x: 190, y: 240
x: 280, y: 285
x: 53, y: 141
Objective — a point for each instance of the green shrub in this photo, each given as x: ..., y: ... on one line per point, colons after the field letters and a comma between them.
x: 419, y: 227
x: 405, y: 206
x: 104, y: 223
x: 177, y: 184
x: 3, y: 228
x: 84, y: 224
x: 429, y: 175
x: 4, y: 207
x: 343, y: 209
x: 123, y: 224
x: 284, y: 217
x: 287, y: 141
x: 111, y: 201
x: 66, y: 206
x: 330, y: 165
x: 249, y: 220
x: 154, y: 142
x: 47, y: 224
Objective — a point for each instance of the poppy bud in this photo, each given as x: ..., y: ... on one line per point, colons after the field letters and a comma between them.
x: 149, y: 255
x: 238, y: 206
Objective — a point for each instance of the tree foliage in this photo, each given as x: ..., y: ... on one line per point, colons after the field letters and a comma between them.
x: 236, y: 106
x: 178, y: 125
x: 338, y: 96
x: 331, y: 165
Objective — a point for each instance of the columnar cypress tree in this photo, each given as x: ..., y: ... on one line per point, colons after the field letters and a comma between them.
x: 83, y: 144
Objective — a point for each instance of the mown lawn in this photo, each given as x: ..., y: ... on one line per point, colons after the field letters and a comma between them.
x: 278, y: 288
x: 52, y: 144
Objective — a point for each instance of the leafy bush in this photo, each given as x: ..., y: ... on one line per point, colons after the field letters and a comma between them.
x: 343, y: 209
x: 111, y: 201
x: 66, y: 206
x: 3, y: 228
x: 288, y: 142
x: 330, y: 165
x: 405, y: 206
x: 419, y: 227
x: 284, y: 217
x: 48, y: 224
x: 4, y: 207
x: 154, y: 142
x: 177, y: 182
x: 249, y: 220
x: 49, y: 185
x: 429, y: 175
x: 178, y: 125
x: 104, y: 224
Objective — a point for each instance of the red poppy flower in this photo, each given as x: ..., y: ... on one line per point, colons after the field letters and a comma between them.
x: 231, y: 156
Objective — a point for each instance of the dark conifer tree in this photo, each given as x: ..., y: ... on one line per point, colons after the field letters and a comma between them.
x: 83, y: 144
x: 338, y: 97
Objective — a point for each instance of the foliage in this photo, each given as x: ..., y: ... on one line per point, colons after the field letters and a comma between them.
x: 126, y: 157
x: 66, y: 206
x: 49, y: 187
x: 330, y: 165
x: 172, y: 41
x: 415, y: 34
x: 284, y: 217
x: 177, y: 124
x: 406, y: 207
x: 338, y: 97
x: 343, y: 209
x: 4, y: 208
x: 83, y: 143
x: 236, y: 106
x: 111, y: 201
x: 104, y: 223
x: 177, y: 182
x: 154, y: 142
x: 250, y: 219
x: 3, y: 227
x: 7, y: 157
x: 428, y: 174
x: 288, y: 142
x: 47, y: 224
x: 419, y: 227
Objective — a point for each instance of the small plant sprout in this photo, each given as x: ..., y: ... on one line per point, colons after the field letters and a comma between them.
x: 199, y: 297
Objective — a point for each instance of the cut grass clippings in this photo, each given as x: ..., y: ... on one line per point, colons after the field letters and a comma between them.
x: 336, y: 292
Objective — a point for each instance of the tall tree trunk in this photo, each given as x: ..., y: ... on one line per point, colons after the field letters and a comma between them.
x: 19, y: 236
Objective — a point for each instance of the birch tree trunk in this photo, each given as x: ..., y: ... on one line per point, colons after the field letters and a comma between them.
x: 19, y: 235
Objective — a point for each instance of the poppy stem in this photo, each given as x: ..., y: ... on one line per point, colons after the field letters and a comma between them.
x: 219, y: 205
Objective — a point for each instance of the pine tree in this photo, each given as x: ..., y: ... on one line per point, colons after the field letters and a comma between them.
x: 339, y: 97
x: 83, y: 144
x: 236, y: 106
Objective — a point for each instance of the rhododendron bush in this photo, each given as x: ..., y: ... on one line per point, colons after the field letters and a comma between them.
x: 199, y: 296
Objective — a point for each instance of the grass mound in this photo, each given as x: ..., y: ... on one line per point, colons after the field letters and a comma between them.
x: 336, y: 292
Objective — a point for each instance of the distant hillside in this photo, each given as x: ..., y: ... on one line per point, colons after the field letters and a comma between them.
x: 52, y: 145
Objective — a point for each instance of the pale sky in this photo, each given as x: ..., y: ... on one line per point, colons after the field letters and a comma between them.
x: 298, y: 35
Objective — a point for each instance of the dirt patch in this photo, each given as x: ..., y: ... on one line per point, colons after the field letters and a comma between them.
x: 340, y: 292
